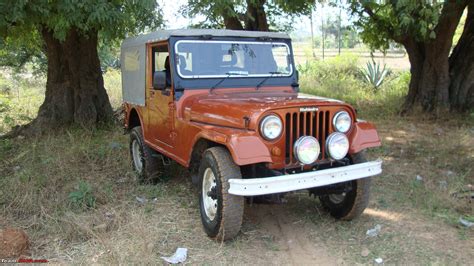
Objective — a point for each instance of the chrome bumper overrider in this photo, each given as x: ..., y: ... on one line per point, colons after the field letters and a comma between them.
x: 319, y: 178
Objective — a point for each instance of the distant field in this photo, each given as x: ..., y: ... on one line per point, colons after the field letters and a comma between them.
x: 395, y: 60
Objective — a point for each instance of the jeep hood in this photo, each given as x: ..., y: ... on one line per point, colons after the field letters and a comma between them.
x: 229, y: 109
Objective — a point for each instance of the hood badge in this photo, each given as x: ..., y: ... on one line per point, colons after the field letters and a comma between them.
x: 309, y: 109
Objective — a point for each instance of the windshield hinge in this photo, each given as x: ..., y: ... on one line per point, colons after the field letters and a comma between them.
x: 206, y: 36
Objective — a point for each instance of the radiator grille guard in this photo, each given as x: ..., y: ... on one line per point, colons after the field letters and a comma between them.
x: 297, y: 124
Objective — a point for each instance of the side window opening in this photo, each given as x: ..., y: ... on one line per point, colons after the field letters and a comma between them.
x: 160, y: 62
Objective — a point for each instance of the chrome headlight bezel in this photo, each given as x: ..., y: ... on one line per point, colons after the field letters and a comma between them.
x: 267, y: 119
x: 341, y: 154
x: 301, y: 141
x: 336, y: 121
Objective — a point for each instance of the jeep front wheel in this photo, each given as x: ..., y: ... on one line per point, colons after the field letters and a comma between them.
x: 147, y: 167
x: 351, y: 204
x: 221, y: 212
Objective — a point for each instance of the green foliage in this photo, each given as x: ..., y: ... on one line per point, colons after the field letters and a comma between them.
x: 340, y: 67
x: 20, y: 53
x: 82, y: 197
x: 21, y: 23
x: 384, y: 21
x: 113, y: 18
x: 340, y: 78
x: 20, y: 98
x: 109, y: 54
x: 113, y: 85
x: 279, y: 13
x: 373, y: 74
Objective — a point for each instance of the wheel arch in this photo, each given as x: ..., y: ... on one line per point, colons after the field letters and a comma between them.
x: 201, y: 145
x: 134, y: 119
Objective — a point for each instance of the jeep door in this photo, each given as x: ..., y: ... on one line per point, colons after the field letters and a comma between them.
x: 160, y: 102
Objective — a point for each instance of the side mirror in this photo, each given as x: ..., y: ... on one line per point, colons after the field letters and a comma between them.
x: 159, y: 80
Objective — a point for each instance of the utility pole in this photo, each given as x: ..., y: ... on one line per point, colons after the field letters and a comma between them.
x: 339, y: 35
x: 322, y: 28
x: 312, y: 33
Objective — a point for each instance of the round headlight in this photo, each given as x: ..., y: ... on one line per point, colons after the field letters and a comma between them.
x: 342, y: 121
x: 307, y: 149
x: 271, y: 127
x: 337, y: 145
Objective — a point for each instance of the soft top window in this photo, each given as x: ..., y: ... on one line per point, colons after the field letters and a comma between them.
x: 209, y: 59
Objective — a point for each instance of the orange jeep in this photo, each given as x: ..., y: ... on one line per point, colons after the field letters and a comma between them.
x: 225, y: 105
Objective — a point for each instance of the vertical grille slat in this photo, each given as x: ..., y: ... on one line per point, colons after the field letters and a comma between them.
x: 294, y: 136
x: 288, y: 142
x: 322, y: 141
x: 308, y: 123
x: 316, y: 124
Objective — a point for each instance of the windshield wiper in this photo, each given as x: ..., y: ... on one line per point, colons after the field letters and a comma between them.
x: 266, y: 78
x: 228, y: 74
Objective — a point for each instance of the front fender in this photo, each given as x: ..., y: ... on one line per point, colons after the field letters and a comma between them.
x: 244, y: 146
x: 363, y: 136
x: 248, y: 150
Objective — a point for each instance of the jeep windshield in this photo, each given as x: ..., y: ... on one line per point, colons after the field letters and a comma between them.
x: 219, y: 59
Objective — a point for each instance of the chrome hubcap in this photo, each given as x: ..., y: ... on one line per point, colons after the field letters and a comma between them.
x: 337, y: 198
x: 209, y: 194
x: 137, y: 157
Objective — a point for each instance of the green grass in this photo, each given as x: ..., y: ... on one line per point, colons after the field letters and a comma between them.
x: 20, y: 98
x: 21, y: 95
x: 340, y: 78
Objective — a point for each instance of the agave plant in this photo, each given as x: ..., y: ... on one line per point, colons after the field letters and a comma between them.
x: 374, y: 74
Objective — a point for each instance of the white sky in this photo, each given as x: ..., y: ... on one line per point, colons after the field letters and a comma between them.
x: 175, y: 20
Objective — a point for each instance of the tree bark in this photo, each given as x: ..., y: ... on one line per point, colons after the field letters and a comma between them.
x: 256, y: 17
x: 231, y: 22
x: 75, y: 92
x: 430, y: 69
x: 461, y: 64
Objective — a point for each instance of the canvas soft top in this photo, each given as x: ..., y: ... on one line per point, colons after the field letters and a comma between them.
x: 166, y: 34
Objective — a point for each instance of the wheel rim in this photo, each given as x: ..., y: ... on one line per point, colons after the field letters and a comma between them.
x: 136, y: 154
x: 337, y: 198
x: 208, y: 184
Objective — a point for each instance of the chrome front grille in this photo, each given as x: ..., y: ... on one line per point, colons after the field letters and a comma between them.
x: 297, y: 124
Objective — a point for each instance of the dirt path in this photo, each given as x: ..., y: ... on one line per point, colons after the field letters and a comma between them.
x: 290, y: 234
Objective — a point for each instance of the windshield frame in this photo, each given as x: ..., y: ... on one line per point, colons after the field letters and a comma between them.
x: 224, y: 75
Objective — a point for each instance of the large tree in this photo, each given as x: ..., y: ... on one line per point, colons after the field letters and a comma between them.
x: 68, y: 34
x: 442, y: 78
x: 253, y: 15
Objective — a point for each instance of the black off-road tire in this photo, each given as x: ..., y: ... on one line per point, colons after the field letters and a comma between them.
x: 151, y: 166
x: 355, y: 201
x: 230, y: 208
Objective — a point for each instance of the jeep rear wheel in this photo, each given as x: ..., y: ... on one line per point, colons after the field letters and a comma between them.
x: 351, y: 204
x: 147, y: 167
x: 221, y: 212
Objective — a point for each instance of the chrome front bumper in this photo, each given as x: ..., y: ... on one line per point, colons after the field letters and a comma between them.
x: 319, y: 178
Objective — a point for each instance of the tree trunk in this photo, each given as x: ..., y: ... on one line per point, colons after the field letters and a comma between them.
x: 256, y: 16
x: 75, y: 92
x: 461, y: 63
x: 231, y: 22
x: 430, y: 79
x: 429, y: 83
